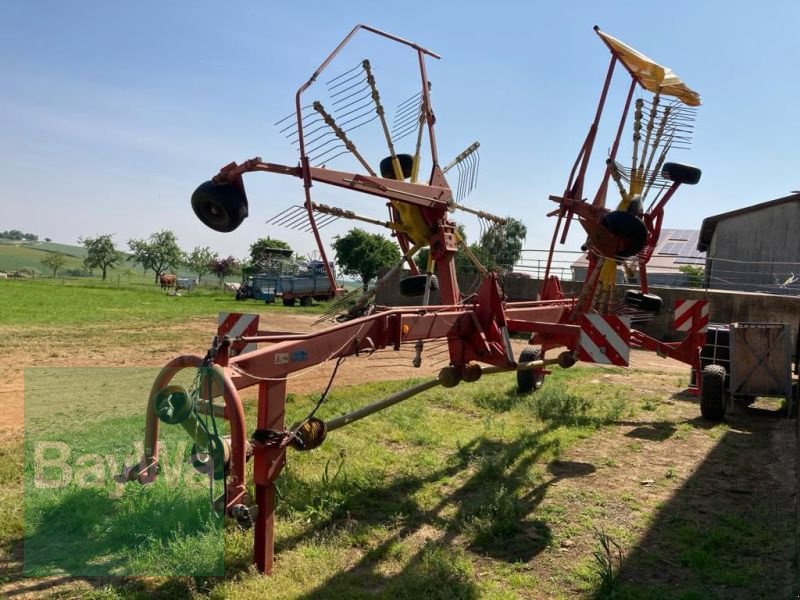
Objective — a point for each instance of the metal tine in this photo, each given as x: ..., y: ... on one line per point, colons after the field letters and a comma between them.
x: 410, y: 111
x: 399, y: 135
x: 364, y: 112
x: 327, y: 220
x: 282, y: 218
x: 342, y: 82
x: 319, y: 137
x: 282, y: 221
x: 280, y: 214
x: 311, y: 151
x: 298, y: 220
x: 356, y: 85
x: 417, y: 96
x: 356, y: 101
x: 477, y: 158
x: 341, y: 115
x: 318, y: 161
x: 319, y: 152
x: 340, y: 75
x: 346, y: 94
x: 370, y: 120
x: 291, y: 115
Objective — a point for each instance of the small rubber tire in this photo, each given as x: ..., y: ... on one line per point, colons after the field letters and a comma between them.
x: 288, y: 301
x: 220, y: 206
x: 406, y: 166
x: 414, y: 286
x: 628, y: 229
x: 712, y: 396
x: 529, y: 380
x: 641, y: 301
x: 681, y: 173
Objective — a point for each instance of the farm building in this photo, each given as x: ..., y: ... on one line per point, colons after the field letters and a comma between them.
x: 676, y: 250
x: 755, y: 249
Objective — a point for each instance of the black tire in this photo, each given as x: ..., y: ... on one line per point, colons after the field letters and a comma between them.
x: 415, y: 285
x: 629, y: 229
x: 681, y: 173
x: 529, y: 380
x: 220, y: 206
x: 288, y: 301
x: 712, y: 396
x: 641, y: 301
x: 305, y: 301
x: 406, y: 165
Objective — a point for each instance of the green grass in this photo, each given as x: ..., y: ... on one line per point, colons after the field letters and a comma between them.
x: 464, y: 463
x: 80, y: 302
x: 14, y: 257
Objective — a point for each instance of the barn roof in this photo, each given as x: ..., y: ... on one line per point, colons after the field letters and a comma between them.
x: 710, y: 223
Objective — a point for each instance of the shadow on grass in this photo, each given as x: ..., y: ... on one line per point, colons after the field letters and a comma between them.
x: 147, y: 531
x: 491, y: 509
x: 729, y: 530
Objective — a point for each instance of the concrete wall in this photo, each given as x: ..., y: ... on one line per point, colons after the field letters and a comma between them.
x: 769, y: 235
x: 726, y: 306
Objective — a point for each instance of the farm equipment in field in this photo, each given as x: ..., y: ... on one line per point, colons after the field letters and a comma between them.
x: 290, y: 286
x: 474, y: 329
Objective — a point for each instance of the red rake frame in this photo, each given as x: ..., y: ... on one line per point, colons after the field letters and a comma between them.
x: 476, y: 329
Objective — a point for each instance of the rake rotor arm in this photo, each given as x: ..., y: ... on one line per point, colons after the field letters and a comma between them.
x: 426, y: 196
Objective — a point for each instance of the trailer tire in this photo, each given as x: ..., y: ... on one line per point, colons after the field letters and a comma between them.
x: 414, y: 286
x: 530, y: 380
x: 288, y: 301
x: 712, y: 396
x: 305, y: 301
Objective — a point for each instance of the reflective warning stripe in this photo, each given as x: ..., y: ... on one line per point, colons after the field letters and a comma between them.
x: 605, y: 340
x: 235, y: 325
x: 691, y: 315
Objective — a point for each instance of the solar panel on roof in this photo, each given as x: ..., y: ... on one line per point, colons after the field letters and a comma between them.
x: 689, y: 260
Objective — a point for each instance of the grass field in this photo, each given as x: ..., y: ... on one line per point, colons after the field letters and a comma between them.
x: 470, y: 492
x: 18, y: 255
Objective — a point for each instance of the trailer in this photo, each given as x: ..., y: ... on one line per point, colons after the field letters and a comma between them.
x: 307, y: 285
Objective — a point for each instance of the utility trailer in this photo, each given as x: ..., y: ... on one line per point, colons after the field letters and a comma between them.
x: 744, y: 361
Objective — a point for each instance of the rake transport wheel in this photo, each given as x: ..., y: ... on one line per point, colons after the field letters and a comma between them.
x: 414, y: 286
x: 712, y: 396
x: 530, y: 380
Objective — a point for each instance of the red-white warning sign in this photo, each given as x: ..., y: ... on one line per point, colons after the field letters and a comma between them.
x: 691, y: 316
x: 605, y: 340
x: 237, y: 324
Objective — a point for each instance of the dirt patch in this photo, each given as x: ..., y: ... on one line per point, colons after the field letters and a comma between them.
x: 146, y: 346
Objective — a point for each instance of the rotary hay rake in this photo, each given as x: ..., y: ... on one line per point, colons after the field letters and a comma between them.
x: 474, y: 331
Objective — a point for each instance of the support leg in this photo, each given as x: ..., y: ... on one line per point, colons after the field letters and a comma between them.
x: 267, y: 465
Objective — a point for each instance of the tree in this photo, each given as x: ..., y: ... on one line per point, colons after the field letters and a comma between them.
x: 223, y: 267
x: 101, y: 253
x: 54, y: 260
x: 199, y: 260
x: 500, y: 246
x: 695, y: 275
x: 266, y: 251
x: 361, y: 254
x: 158, y: 252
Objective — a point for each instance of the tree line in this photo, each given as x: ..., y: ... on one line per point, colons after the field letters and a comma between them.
x: 359, y: 254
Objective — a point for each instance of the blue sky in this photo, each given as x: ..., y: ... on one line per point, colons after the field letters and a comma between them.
x: 112, y: 113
